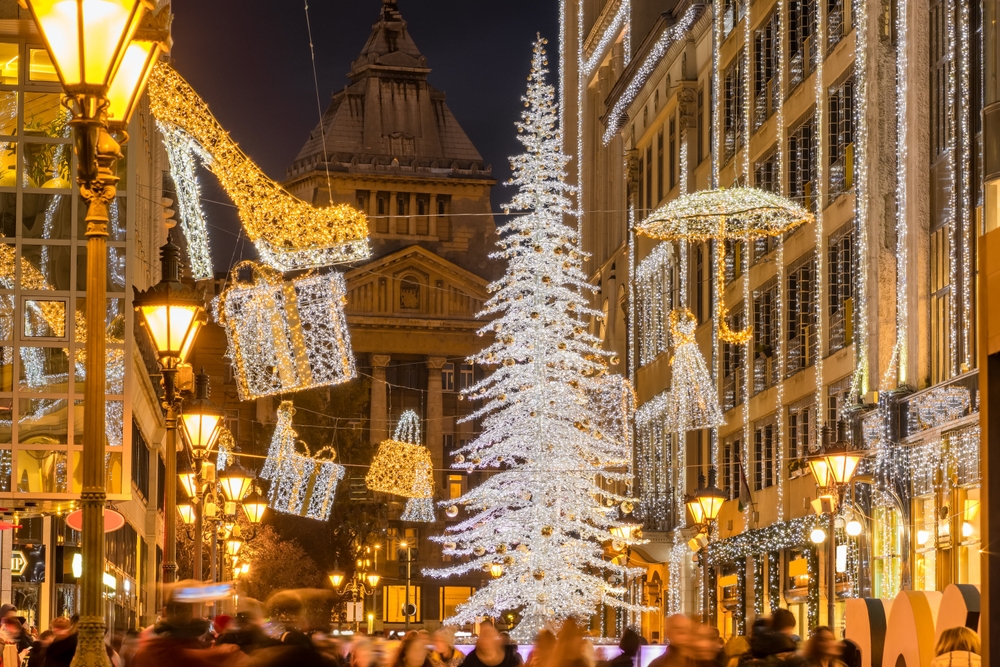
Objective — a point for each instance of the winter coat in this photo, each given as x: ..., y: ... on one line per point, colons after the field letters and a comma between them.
x: 957, y: 659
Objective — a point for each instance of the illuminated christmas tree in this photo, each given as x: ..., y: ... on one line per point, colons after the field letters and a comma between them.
x: 538, y: 524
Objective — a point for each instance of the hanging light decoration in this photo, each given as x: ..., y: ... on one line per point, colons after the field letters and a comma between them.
x: 693, y: 401
x: 286, y: 335
x: 402, y: 466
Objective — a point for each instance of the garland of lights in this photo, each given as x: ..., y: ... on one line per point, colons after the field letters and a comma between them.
x: 289, y: 233
x: 183, y: 154
x: 616, y: 118
x: 861, y: 383
x: 226, y: 445
x: 773, y: 580
x: 653, y: 286
x: 301, y: 484
x: 965, y: 184
x: 902, y: 205
x: 402, y: 466
x: 540, y: 516
x: 818, y: 222
x: 285, y: 335
x: 620, y: 22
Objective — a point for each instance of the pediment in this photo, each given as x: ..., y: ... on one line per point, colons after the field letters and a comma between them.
x: 414, y: 283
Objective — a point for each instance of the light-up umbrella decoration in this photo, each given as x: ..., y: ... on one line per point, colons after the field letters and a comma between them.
x: 724, y: 214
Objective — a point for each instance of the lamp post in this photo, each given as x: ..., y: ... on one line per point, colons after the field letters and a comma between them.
x: 833, y: 468
x: 87, y: 43
x: 201, y: 424
x: 172, y: 313
x: 407, y: 608
x: 705, y: 506
x: 357, y: 588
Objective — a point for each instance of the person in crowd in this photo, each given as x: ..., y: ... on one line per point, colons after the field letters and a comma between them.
x: 510, y: 646
x: 37, y: 655
x: 629, y: 645
x: 130, y: 644
x: 445, y: 654
x: 14, y: 633
x: 783, y: 621
x: 490, y: 650
x: 413, y: 650
x: 677, y: 632
x: 177, y: 639
x: 542, y: 652
x: 957, y: 647
x: 706, y: 650
x: 247, y: 632
x: 571, y: 648
x: 822, y: 649
x: 61, y: 649
x: 362, y: 654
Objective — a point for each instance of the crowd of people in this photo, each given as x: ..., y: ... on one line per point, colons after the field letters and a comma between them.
x: 180, y: 638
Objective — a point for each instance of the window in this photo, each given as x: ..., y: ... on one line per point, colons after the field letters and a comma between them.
x: 942, y: 365
x: 456, y: 486
x: 465, y: 379
x: 734, y: 120
x: 659, y: 167
x: 765, y: 173
x: 420, y: 207
x: 766, y: 95
x: 765, y: 336
x: 393, y: 599
x: 140, y: 462
x: 701, y: 125
x: 840, y: 108
x: 801, y: 436
x: 734, y: 260
x: 402, y: 213
x: 801, y: 317
x: 451, y: 597
x: 731, y: 458
x: 642, y: 178
x: 764, y: 458
x: 840, y: 288
x: 381, y: 211
x: 838, y: 397
x: 649, y: 177
x: 732, y: 12
x: 800, y: 165
x: 732, y: 363
x: 838, y: 21
x: 801, y: 40
x: 448, y: 377
x: 674, y: 169
x: 440, y: 207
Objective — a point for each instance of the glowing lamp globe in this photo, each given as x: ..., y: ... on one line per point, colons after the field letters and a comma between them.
x: 496, y: 570
x: 254, y: 506
x: 170, y: 311
x: 189, y: 482
x: 235, y: 481
x: 87, y: 39
x: 126, y: 88
x: 817, y: 536
x: 187, y: 513
x: 337, y: 578
x: 373, y: 579
x: 201, y: 421
x: 711, y: 498
x: 233, y: 545
x: 853, y: 528
x: 820, y: 470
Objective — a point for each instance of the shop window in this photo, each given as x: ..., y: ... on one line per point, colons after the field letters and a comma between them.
x: 452, y: 596
x: 969, y: 557
x: 925, y: 543
x: 840, y: 288
x: 393, y: 599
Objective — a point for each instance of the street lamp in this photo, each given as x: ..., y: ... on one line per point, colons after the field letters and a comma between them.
x: 356, y: 587
x: 236, y: 482
x: 705, y: 506
x: 172, y: 313
x: 187, y: 513
x: 833, y: 469
x: 254, y: 506
x: 337, y: 578
x: 86, y: 42
x: 711, y: 499
x: 201, y: 421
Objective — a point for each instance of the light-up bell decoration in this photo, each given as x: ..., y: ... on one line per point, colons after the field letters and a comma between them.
x: 201, y: 422
x: 171, y: 311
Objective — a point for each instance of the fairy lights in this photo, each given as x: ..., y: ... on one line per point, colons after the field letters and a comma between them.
x: 283, y: 335
x: 301, y: 484
x: 965, y: 184
x: 548, y: 508
x: 692, y: 402
x: 861, y: 383
x: 289, y: 233
x: 903, y: 212
x: 674, y: 35
x: 619, y: 22
x: 653, y: 288
x: 182, y: 153
x: 402, y: 466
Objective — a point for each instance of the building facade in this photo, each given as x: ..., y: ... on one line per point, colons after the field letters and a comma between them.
x: 866, y: 316
x: 389, y: 145
x: 44, y: 330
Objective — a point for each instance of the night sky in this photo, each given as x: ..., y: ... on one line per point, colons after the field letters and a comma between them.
x: 250, y: 61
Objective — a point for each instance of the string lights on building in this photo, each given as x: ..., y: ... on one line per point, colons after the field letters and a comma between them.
x: 183, y: 154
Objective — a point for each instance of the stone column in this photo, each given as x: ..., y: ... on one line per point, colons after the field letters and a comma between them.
x: 432, y: 225
x: 379, y: 418
x: 435, y: 412
x: 412, y: 214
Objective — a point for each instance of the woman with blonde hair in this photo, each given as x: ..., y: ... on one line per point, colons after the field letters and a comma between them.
x: 957, y: 647
x: 445, y: 654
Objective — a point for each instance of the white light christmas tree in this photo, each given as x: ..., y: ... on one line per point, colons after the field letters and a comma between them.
x: 547, y: 513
